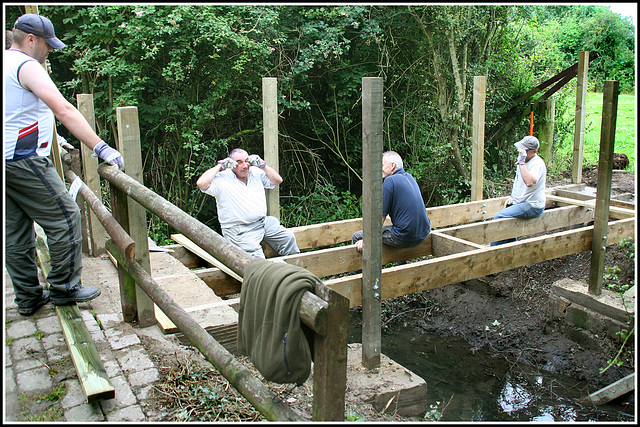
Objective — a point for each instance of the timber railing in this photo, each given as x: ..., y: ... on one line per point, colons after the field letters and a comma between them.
x: 317, y: 310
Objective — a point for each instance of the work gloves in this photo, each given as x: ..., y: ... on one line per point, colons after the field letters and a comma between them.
x: 108, y: 154
x: 227, y: 163
x: 522, y: 156
x: 509, y: 202
x: 255, y: 160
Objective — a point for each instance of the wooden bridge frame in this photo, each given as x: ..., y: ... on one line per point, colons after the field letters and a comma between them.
x: 456, y: 250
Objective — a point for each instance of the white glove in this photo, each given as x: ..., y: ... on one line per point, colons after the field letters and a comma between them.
x: 228, y: 163
x: 509, y: 202
x: 522, y: 156
x: 108, y: 154
x: 255, y: 160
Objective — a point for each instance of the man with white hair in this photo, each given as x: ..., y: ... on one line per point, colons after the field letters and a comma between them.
x: 402, y: 202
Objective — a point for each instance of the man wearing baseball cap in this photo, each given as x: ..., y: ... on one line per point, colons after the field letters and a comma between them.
x: 527, y: 198
x: 34, y: 192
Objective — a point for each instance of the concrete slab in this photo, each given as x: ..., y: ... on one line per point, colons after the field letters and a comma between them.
x: 389, y: 388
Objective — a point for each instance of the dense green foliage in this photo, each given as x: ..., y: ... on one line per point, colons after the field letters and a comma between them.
x: 194, y: 72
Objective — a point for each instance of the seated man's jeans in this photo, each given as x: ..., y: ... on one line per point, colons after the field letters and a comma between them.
x: 520, y: 210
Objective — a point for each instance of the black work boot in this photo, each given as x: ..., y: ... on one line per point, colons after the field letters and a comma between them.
x: 78, y: 293
x: 28, y: 311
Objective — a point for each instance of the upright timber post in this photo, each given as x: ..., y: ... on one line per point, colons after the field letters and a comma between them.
x: 546, y: 129
x: 477, y: 152
x: 603, y: 197
x: 270, y: 138
x: 129, y: 147
x: 371, y: 220
x: 581, y: 104
x: 95, y: 230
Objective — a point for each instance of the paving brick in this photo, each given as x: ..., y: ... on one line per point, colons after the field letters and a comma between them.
x: 34, y: 381
x: 84, y: 413
x: 11, y: 404
x: 133, y: 359
x: 123, y: 396
x: 49, y: 325
x: 21, y: 348
x: 29, y: 363
x: 74, y: 395
x: 143, y: 378
x: 131, y: 413
x: 20, y: 329
x: 55, y: 340
x: 109, y: 320
x: 119, y: 340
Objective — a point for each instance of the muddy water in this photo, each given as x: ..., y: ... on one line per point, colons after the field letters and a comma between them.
x: 467, y: 385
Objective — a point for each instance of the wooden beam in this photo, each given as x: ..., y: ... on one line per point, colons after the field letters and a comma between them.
x: 84, y: 354
x: 436, y: 272
x: 270, y: 138
x: 188, y: 244
x: 129, y: 147
x: 614, y: 212
x: 371, y: 220
x: 477, y: 150
x: 446, y: 245
x: 97, y: 234
x: 506, y: 228
x: 581, y: 112
x: 605, y: 168
x: 614, y: 390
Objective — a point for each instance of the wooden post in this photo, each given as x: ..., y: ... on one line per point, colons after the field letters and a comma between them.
x: 371, y: 220
x: 120, y: 211
x: 74, y: 155
x: 270, y: 138
x: 96, y: 232
x: 546, y: 129
x: 581, y: 109
x: 129, y: 147
x: 477, y: 151
x: 603, y: 196
x: 330, y: 359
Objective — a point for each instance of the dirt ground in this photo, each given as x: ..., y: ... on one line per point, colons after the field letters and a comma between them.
x: 518, y: 296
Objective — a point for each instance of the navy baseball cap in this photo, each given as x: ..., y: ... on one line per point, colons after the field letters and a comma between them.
x: 40, y: 26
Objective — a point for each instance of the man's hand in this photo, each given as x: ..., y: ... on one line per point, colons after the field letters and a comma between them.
x: 255, y: 160
x: 227, y: 163
x: 108, y: 154
x: 359, y: 245
x: 509, y: 202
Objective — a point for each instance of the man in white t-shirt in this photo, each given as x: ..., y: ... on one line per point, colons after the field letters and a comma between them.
x: 527, y: 198
x: 238, y: 183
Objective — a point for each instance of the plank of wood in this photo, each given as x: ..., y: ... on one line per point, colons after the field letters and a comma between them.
x: 614, y: 212
x: 614, y: 390
x: 184, y: 241
x: 436, y: 272
x: 84, y: 354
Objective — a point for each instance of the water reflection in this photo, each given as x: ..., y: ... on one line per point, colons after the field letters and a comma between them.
x: 474, y: 386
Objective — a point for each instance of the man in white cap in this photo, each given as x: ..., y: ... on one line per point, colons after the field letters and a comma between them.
x: 527, y: 198
x: 34, y: 192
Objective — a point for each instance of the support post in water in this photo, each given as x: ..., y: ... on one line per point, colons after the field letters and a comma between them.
x: 371, y: 220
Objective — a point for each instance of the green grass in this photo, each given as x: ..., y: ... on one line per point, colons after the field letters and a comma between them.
x: 625, y: 140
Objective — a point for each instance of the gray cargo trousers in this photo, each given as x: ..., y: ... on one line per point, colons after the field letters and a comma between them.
x: 269, y: 229
x: 36, y: 193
